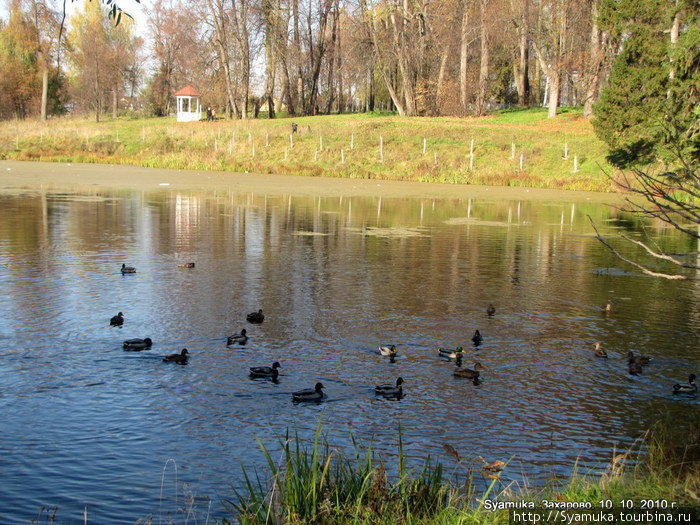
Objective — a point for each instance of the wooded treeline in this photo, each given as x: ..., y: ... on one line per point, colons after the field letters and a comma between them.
x: 253, y: 58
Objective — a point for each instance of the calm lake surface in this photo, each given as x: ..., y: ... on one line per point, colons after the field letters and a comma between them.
x: 127, y: 436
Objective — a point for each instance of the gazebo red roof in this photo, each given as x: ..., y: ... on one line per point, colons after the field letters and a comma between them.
x: 187, y: 91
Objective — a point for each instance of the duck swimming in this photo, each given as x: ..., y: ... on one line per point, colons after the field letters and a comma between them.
x: 476, y: 339
x: 128, y: 269
x: 389, y: 390
x: 388, y: 350
x: 686, y: 388
x: 117, y: 320
x: 186, y: 265
x: 309, y: 395
x: 635, y: 368
x: 256, y: 317
x: 137, y: 344
x: 491, y: 310
x: 607, y: 308
x: 599, y: 352
x: 265, y: 371
x: 240, y: 339
x: 180, y: 359
x: 468, y: 372
x: 448, y: 353
x: 640, y: 359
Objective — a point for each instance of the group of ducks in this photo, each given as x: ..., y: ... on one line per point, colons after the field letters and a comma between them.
x: 635, y: 363
x: 457, y: 354
x: 137, y: 344
x: 310, y: 394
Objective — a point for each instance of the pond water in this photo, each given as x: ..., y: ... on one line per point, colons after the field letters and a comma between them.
x: 122, y: 435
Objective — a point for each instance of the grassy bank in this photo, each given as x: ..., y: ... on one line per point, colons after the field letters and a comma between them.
x: 317, y: 484
x: 560, y: 153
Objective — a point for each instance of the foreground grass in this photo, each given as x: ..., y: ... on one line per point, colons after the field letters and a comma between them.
x: 317, y: 484
x: 555, y: 153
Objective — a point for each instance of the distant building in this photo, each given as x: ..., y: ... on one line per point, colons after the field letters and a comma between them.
x: 188, y: 106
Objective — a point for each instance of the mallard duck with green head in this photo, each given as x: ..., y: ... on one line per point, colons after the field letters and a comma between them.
x: 449, y: 353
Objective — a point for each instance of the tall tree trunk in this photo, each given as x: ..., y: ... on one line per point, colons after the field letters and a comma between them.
x: 552, y: 65
x: 484, y: 63
x: 299, y: 83
x: 463, y: 56
x: 595, y: 63
x: 554, y: 92
x: 330, y: 88
x: 220, y: 20
x: 675, y: 31
x: 270, y: 14
x: 555, y: 81
x: 115, y: 101
x: 380, y: 62
x: 316, y: 55
x: 239, y: 17
x: 339, y: 69
x: 441, y: 79
x: 401, y: 47
x: 44, y: 89
x: 522, y: 81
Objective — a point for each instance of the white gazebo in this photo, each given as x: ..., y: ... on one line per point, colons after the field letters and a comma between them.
x: 188, y: 107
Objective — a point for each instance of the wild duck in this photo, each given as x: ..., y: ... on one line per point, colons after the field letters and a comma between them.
x: 388, y: 350
x: 635, y: 368
x: 686, y: 388
x: 186, y: 265
x: 389, y: 390
x: 128, y: 269
x: 607, y: 308
x: 599, y: 352
x: 265, y: 371
x: 256, y: 317
x: 491, y: 310
x: 137, y: 344
x: 477, y: 338
x: 309, y: 395
x: 180, y: 359
x: 117, y: 320
x: 448, y: 353
x: 240, y: 339
x: 468, y: 372
x: 640, y: 359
